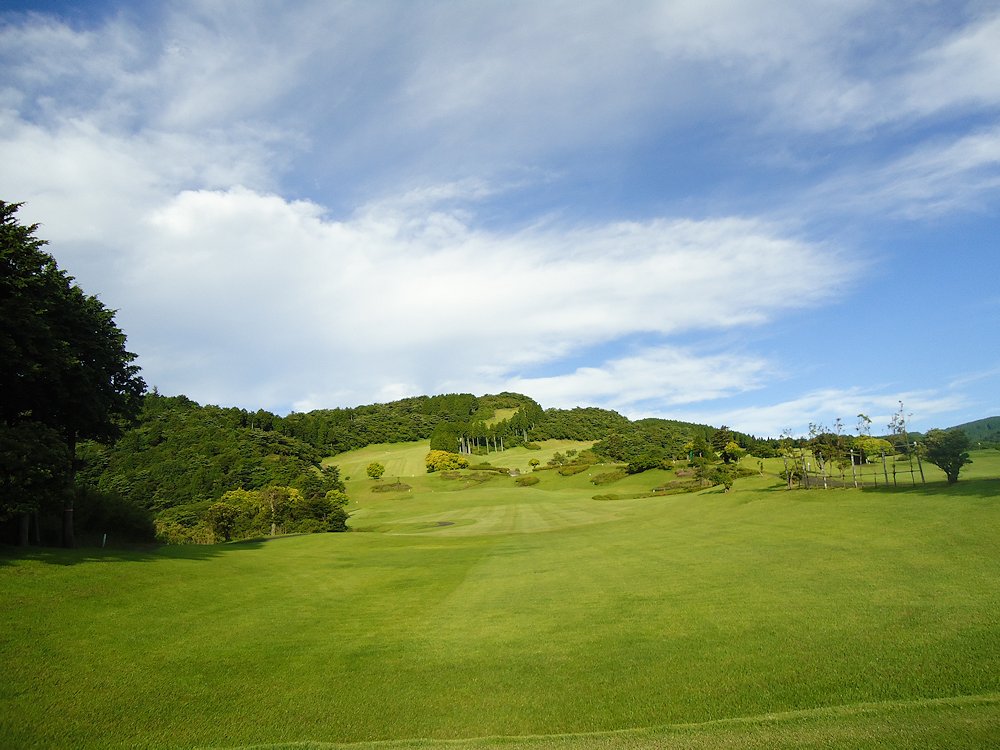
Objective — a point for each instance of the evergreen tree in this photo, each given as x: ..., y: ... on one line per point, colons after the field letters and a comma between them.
x: 63, y: 362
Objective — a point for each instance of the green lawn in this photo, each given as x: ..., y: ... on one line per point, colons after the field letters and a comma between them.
x: 536, y: 616
x: 399, y: 460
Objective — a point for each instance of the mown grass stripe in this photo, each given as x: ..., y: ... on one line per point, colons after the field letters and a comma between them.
x: 773, y: 718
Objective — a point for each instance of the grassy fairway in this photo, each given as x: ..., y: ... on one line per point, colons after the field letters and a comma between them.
x: 757, y: 618
x: 399, y: 459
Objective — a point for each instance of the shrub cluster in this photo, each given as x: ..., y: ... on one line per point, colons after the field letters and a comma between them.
x: 471, y: 476
x: 97, y: 513
x: 246, y: 514
x: 391, y: 487
x: 438, y: 460
x: 608, y: 477
x: 490, y: 467
x: 527, y: 480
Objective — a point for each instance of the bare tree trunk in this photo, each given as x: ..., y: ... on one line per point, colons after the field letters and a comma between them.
x: 68, y: 537
x: 23, y: 525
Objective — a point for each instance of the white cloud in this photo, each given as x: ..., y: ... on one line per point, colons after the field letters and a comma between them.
x: 424, y: 298
x: 961, y: 72
x: 824, y: 406
x: 155, y: 153
x: 651, y: 379
x: 944, y: 176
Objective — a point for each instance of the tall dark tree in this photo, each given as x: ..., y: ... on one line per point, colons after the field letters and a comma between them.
x: 948, y: 450
x: 35, y: 467
x: 721, y: 438
x: 63, y: 361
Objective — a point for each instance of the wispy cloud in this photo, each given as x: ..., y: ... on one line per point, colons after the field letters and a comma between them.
x: 426, y: 298
x: 950, y: 174
x: 651, y: 379
x: 321, y: 206
x: 823, y: 407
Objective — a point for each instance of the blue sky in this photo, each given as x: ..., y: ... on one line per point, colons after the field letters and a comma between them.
x: 749, y: 213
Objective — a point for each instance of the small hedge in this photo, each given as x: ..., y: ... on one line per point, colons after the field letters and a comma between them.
x: 471, y: 476
x: 490, y: 467
x: 608, y: 477
x: 570, y: 469
x: 527, y: 480
x: 391, y: 487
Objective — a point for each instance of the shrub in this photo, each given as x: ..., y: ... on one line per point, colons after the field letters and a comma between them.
x: 438, y: 460
x: 490, y: 467
x: 558, y: 459
x: 98, y: 513
x: 533, y: 446
x: 480, y: 476
x: 393, y: 487
x: 719, y: 475
x: 608, y: 477
x: 605, y: 497
x: 471, y: 476
x: 570, y: 469
x: 171, y: 532
x: 527, y: 480
x: 645, y: 462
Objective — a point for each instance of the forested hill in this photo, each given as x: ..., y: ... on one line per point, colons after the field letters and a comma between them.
x: 982, y: 431
x: 463, y: 422
x: 337, y: 430
x: 181, y: 452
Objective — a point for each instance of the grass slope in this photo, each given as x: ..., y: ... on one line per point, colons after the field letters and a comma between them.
x: 399, y: 460
x: 530, y: 616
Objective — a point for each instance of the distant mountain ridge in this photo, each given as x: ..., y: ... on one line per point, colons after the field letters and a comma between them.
x: 985, y: 430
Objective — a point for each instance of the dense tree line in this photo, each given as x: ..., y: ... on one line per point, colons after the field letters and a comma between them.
x: 337, y: 430
x: 650, y: 443
x: 181, y: 452
x: 581, y: 423
x: 65, y: 376
x: 207, y: 474
x: 484, y: 432
x: 246, y: 514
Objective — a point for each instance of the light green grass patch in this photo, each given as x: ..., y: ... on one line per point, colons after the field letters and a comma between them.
x: 529, y: 616
x: 501, y: 415
x: 399, y: 460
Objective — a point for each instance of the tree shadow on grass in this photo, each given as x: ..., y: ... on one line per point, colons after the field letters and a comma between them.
x: 964, y: 488
x: 139, y: 554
